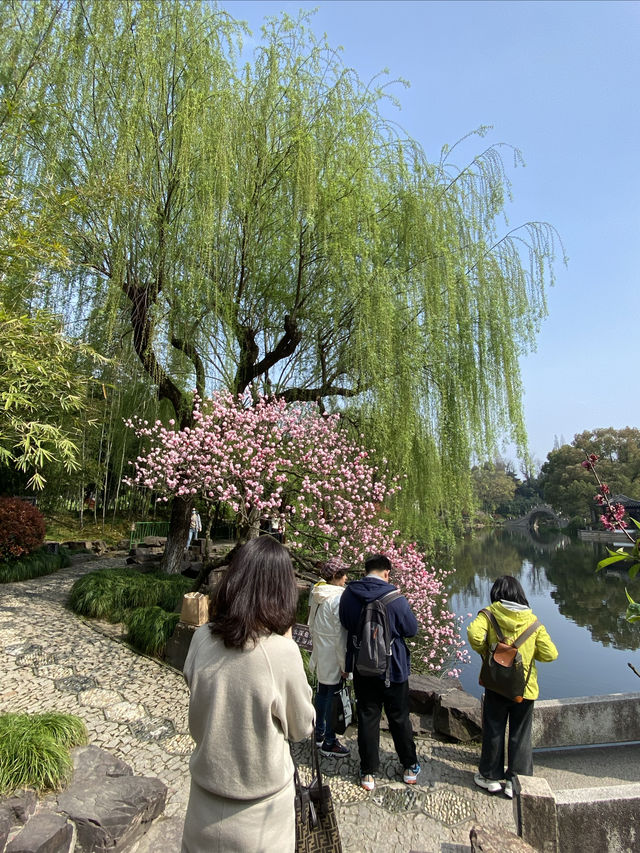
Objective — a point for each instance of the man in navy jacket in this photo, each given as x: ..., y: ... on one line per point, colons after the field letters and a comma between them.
x: 371, y: 693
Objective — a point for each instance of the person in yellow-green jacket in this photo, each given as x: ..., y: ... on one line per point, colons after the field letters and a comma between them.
x: 513, y: 614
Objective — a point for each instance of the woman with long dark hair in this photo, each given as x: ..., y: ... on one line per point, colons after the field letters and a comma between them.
x: 249, y: 698
x: 511, y: 611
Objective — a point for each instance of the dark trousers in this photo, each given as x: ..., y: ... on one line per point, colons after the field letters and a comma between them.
x: 371, y: 697
x: 323, y: 701
x: 496, y: 711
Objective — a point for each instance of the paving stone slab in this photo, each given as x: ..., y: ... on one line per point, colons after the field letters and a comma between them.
x: 125, y: 712
x: 75, y: 683
x: 179, y: 745
x: 152, y: 729
x: 99, y: 697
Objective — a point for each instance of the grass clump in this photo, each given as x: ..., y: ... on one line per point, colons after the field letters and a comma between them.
x: 110, y: 593
x: 33, y: 565
x: 149, y: 629
x: 35, y: 750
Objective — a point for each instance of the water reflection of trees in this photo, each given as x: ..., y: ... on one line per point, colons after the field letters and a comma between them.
x: 487, y: 556
x: 593, y: 600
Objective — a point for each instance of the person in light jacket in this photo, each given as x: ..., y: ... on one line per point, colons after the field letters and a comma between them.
x: 195, y: 526
x: 329, y: 646
x: 249, y: 698
x: 511, y: 609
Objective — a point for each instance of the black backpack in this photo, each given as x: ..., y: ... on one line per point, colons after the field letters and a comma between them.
x: 502, y: 668
x: 372, y: 641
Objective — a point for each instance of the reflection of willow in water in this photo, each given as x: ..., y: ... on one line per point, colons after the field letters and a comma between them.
x: 487, y: 556
x: 594, y: 600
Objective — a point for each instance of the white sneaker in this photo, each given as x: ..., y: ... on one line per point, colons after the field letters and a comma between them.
x: 367, y: 782
x: 490, y: 785
x: 508, y: 789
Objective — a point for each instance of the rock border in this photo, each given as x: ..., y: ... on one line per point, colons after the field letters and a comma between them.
x: 104, y: 808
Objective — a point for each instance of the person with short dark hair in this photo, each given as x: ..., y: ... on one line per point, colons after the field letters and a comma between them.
x: 329, y: 647
x: 513, y: 614
x: 372, y: 694
x: 249, y: 697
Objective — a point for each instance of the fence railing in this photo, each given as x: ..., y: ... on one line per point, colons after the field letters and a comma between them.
x: 141, y: 529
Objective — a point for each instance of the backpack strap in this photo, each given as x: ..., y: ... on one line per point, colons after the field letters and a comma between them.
x: 388, y: 597
x: 526, y: 634
x: 492, y: 619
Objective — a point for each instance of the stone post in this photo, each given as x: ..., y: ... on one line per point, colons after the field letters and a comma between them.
x: 534, y: 811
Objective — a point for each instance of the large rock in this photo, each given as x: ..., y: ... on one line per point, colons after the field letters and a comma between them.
x: 110, y: 808
x: 155, y: 541
x: 91, y: 764
x: 78, y: 545
x: 22, y: 805
x: 14, y: 810
x: 7, y: 820
x: 425, y: 689
x: 44, y: 833
x: 178, y: 645
x: 458, y: 715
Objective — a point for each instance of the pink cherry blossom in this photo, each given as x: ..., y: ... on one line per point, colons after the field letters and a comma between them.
x: 293, y: 463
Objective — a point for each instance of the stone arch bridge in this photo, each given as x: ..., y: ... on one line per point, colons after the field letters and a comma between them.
x: 529, y: 523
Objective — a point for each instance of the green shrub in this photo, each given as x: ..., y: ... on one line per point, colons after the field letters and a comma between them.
x: 109, y: 593
x: 149, y: 628
x: 33, y: 566
x: 302, y: 610
x: 22, y: 528
x: 311, y: 676
x: 34, y: 750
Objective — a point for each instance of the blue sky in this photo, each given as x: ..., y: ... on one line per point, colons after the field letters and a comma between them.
x: 561, y: 82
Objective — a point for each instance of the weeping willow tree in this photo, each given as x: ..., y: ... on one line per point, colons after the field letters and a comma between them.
x: 266, y: 227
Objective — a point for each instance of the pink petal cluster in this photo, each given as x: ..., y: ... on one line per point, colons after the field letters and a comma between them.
x: 291, y: 462
x: 613, y: 517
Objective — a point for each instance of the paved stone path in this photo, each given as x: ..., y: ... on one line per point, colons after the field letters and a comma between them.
x: 136, y: 707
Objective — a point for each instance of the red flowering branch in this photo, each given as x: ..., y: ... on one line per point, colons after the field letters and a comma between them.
x: 613, y: 519
x: 613, y: 515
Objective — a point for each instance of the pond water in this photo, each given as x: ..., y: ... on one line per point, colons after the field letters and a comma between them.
x: 583, y: 610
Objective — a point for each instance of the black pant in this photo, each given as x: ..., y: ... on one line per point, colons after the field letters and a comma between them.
x: 371, y: 697
x: 496, y: 710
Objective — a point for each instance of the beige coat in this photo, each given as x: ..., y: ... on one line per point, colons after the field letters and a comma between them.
x: 245, y: 706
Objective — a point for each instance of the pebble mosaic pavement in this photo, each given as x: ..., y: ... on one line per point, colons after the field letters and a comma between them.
x: 136, y: 707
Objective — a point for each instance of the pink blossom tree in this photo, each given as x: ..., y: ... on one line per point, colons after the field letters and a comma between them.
x: 291, y: 462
